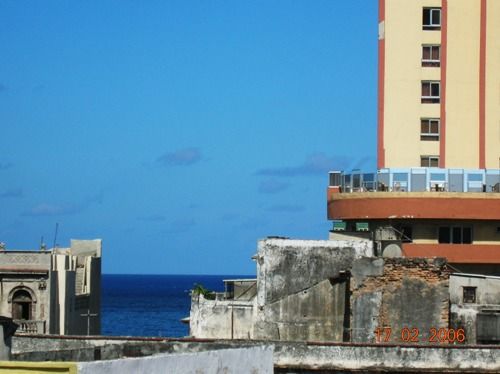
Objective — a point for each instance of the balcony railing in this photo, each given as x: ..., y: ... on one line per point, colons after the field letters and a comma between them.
x: 418, y: 179
x: 30, y: 326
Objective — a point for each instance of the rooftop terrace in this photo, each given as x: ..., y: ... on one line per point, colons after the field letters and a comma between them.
x: 418, y: 180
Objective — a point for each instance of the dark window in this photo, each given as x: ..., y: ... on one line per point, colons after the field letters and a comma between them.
x: 429, y: 129
x: 467, y: 235
x: 470, y: 295
x: 430, y: 92
x: 431, y: 19
x: 431, y: 55
x: 406, y: 234
x: 455, y: 235
x: 21, y: 305
x: 444, y: 235
x: 429, y: 161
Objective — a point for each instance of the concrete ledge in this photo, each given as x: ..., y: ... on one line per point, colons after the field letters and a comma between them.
x: 387, y: 357
x: 295, y: 356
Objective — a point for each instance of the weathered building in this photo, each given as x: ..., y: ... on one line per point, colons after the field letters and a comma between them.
x: 339, y: 291
x: 56, y: 291
x: 475, y: 306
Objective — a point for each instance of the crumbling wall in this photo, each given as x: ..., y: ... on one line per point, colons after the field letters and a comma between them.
x: 301, y: 288
x: 405, y: 299
x: 315, y: 313
x: 464, y: 314
x: 285, y: 267
x: 221, y: 319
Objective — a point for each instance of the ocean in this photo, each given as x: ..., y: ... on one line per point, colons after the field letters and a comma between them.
x: 151, y: 305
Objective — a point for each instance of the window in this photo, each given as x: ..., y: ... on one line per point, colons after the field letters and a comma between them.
x: 406, y: 234
x: 429, y: 161
x: 430, y: 92
x: 455, y: 235
x: 21, y: 305
x: 429, y: 129
x: 469, y: 295
x: 431, y: 19
x: 431, y: 55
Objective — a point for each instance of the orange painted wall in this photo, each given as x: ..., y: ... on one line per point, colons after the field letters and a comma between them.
x: 430, y: 205
x: 455, y: 253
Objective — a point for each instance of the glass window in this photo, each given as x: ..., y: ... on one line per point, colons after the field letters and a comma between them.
x: 444, y: 235
x: 455, y: 235
x: 431, y: 55
x: 438, y: 177
x: 467, y: 235
x: 431, y: 19
x: 475, y: 177
x: 469, y: 295
x: 429, y: 161
x: 430, y: 92
x: 400, y: 177
x: 429, y: 129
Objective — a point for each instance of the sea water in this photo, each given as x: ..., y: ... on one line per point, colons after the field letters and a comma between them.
x: 151, y: 305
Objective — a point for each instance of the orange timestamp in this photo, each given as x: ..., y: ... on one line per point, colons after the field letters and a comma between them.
x: 412, y: 335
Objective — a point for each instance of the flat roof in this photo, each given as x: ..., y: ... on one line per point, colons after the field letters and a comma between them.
x: 482, y: 276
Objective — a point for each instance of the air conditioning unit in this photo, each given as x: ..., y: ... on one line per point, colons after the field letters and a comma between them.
x: 386, y: 234
x: 362, y: 226
x: 339, y: 226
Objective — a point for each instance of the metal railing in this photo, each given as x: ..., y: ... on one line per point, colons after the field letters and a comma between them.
x: 30, y: 326
x: 418, y: 180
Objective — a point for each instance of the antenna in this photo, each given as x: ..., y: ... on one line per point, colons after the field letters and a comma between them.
x: 55, y: 235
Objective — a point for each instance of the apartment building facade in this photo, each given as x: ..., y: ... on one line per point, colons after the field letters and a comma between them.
x: 436, y: 190
x: 439, y: 84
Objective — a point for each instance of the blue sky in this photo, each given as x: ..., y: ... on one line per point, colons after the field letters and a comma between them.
x: 180, y: 132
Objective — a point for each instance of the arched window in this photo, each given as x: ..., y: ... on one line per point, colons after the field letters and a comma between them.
x: 22, y: 305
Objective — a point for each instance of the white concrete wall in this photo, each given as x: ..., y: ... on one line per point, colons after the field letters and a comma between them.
x: 220, y: 319
x: 252, y: 360
x: 487, y: 289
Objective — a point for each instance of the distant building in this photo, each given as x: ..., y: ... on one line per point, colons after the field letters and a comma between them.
x: 56, y: 291
x: 436, y: 190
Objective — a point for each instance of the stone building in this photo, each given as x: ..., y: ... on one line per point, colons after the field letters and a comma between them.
x: 56, y: 291
x: 339, y: 291
x: 475, y: 305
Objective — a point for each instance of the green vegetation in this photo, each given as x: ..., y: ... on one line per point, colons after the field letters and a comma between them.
x: 199, y: 289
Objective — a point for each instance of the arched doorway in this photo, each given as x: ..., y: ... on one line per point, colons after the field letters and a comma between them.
x: 21, y: 305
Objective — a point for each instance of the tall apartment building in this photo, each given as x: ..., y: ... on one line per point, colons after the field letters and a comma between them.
x: 439, y: 84
x: 436, y: 190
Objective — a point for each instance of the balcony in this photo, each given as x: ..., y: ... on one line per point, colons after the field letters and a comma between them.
x: 418, y: 180
x: 416, y: 193
x: 30, y: 326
